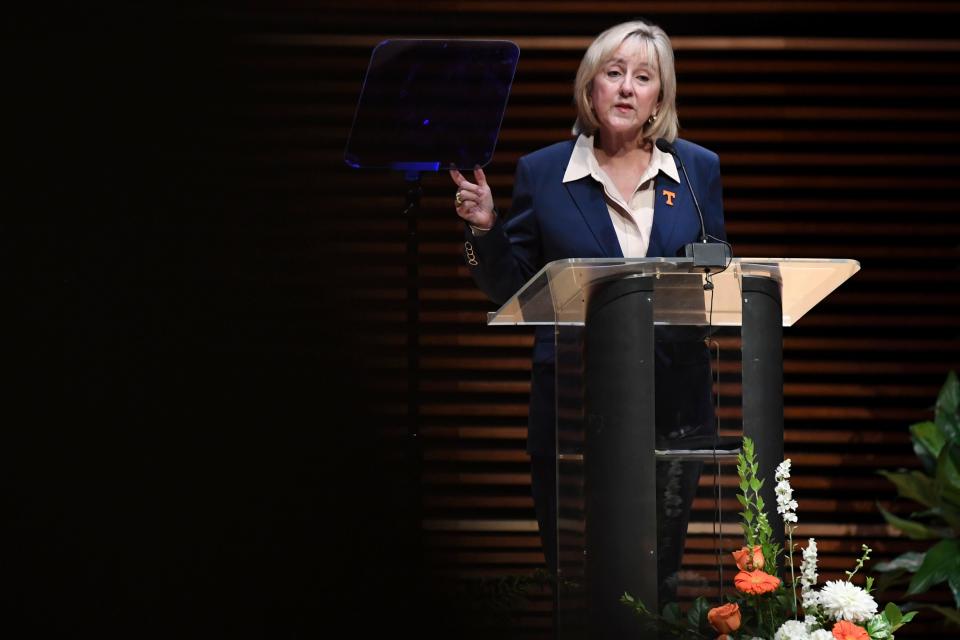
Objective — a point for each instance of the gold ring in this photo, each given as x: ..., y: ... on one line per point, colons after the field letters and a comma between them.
x: 458, y: 200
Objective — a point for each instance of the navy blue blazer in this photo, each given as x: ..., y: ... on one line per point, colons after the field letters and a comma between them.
x: 550, y: 220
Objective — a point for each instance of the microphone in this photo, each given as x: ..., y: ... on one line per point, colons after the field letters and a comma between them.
x: 704, y: 253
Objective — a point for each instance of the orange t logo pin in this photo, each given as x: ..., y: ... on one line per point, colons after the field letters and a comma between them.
x: 670, y: 196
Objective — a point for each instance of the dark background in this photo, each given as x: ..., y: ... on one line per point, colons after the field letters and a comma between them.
x: 205, y: 453
x: 209, y: 467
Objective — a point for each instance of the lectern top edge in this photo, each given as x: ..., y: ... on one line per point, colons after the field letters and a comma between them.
x: 557, y: 293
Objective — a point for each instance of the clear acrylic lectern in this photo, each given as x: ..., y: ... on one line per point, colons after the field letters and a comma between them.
x: 605, y: 311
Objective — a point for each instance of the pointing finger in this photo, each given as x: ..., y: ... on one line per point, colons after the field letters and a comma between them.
x: 479, y: 176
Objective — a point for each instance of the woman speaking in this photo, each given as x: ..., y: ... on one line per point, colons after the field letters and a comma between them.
x: 607, y: 193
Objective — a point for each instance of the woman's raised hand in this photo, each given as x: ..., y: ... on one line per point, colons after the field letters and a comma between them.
x: 474, y: 202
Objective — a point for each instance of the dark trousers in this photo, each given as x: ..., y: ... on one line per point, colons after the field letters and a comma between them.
x: 543, y: 476
x: 684, y: 411
x: 676, y: 488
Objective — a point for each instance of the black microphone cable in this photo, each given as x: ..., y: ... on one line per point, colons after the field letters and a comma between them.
x: 717, y: 494
x: 708, y: 257
x: 704, y: 253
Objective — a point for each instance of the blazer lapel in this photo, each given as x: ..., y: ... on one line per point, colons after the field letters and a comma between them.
x: 588, y: 196
x: 670, y: 202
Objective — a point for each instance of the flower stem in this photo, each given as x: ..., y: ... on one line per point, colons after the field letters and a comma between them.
x: 793, y: 578
x: 860, y: 562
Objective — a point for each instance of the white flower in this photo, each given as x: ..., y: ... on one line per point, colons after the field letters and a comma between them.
x: 844, y: 601
x: 792, y: 630
x: 808, y: 575
x: 810, y: 599
x: 783, y: 471
x: 816, y: 633
x: 786, y: 505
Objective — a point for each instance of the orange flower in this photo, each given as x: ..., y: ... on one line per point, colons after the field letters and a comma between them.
x: 844, y: 630
x: 755, y: 582
x: 747, y: 561
x: 725, y: 618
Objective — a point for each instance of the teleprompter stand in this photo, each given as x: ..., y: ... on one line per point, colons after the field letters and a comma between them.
x: 426, y: 106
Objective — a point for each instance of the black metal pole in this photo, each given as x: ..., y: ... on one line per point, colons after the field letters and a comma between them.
x: 762, y: 377
x: 413, y: 451
x: 621, y: 505
x: 414, y: 192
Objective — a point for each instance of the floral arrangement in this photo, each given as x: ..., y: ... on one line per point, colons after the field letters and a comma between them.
x: 763, y: 607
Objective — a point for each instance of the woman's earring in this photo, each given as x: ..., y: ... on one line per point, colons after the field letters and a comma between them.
x: 652, y: 119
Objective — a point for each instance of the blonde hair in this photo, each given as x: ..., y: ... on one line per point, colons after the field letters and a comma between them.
x: 599, y: 53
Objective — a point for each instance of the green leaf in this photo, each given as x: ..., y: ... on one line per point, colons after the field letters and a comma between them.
x: 671, y: 612
x: 945, y: 413
x: 754, y: 484
x: 915, y: 530
x: 953, y: 581
x: 892, y: 613
x: 636, y: 606
x: 929, y: 437
x: 879, y: 628
x: 909, y: 561
x: 949, y: 504
x: 947, y: 473
x: 941, y: 563
x: 929, y: 462
x: 948, y: 483
x: 950, y: 424
x: 907, y: 617
x: 914, y: 485
x: 950, y: 511
x: 948, y: 401
x: 895, y: 617
x: 697, y: 614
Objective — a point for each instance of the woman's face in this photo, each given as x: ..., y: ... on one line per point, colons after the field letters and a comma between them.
x: 626, y: 90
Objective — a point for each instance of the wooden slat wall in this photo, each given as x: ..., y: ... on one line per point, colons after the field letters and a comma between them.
x: 835, y: 126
